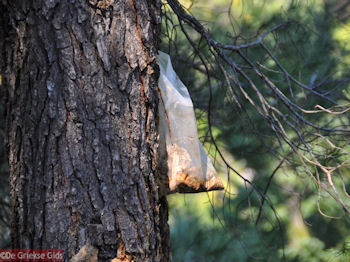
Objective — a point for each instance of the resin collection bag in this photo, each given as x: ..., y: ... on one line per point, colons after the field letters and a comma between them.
x: 189, y: 167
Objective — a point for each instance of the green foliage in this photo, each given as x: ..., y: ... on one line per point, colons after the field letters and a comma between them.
x: 222, y: 227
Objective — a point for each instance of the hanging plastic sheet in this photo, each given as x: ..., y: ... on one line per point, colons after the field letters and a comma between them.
x: 189, y: 167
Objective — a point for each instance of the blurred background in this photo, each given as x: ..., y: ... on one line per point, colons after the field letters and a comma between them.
x: 4, y: 188
x: 298, y: 226
x: 297, y: 222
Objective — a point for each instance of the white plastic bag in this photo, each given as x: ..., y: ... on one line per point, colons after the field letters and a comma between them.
x: 189, y: 167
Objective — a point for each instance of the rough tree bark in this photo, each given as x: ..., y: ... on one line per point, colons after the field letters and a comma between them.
x: 79, y: 81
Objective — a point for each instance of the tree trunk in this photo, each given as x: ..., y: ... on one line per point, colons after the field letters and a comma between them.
x: 79, y: 79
